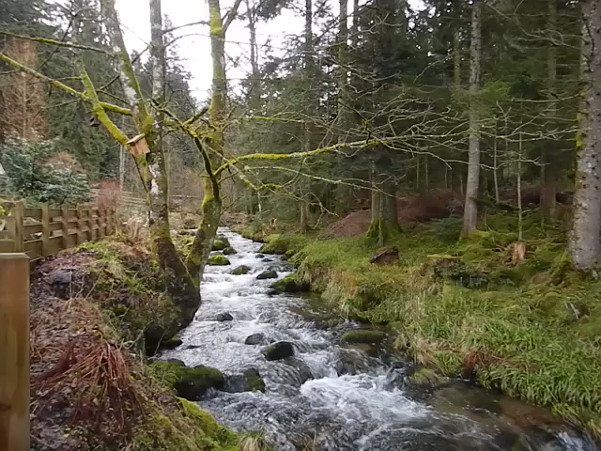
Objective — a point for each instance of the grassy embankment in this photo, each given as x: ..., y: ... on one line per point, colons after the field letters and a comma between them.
x: 91, y: 388
x: 532, y: 330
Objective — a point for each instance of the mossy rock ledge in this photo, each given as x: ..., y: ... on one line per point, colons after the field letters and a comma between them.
x: 290, y: 284
x: 364, y: 336
x: 218, y: 260
x: 189, y: 383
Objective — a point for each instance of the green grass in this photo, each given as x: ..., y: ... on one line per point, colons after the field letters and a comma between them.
x: 532, y: 330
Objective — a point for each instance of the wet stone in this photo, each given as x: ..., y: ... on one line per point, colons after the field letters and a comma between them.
x: 267, y: 275
x: 243, y: 269
x: 255, y: 339
x: 279, y: 350
x: 224, y: 317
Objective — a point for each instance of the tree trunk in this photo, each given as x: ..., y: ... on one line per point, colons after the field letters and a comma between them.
x: 212, y: 149
x: 584, y: 241
x: 180, y: 286
x: 470, y: 215
x: 255, y: 82
x: 457, y: 59
x: 384, y: 219
x: 307, y: 134
x: 548, y: 191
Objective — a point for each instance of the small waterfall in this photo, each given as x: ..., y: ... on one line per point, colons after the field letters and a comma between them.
x: 331, y: 396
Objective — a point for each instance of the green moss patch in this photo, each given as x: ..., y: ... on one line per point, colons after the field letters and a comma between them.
x: 364, y: 336
x: 189, y: 383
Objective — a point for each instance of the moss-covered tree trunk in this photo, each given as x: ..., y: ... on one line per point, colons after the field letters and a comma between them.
x: 585, y: 248
x: 470, y: 213
x: 181, y: 287
x: 212, y: 147
x: 384, y: 218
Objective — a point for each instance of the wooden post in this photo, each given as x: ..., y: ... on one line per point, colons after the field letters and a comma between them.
x: 45, y: 230
x: 80, y: 224
x: 14, y: 352
x: 18, y: 212
x: 65, y: 227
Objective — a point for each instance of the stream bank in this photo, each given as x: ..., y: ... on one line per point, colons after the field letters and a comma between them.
x: 332, y: 394
x: 463, y: 308
x: 95, y: 312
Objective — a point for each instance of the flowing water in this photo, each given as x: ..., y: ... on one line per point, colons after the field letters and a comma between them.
x: 331, y: 396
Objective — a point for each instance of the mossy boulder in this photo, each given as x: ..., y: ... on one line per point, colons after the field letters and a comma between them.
x: 279, y: 350
x: 189, y: 383
x: 218, y: 260
x: 426, y: 377
x: 229, y: 251
x: 290, y: 284
x: 238, y: 271
x: 270, y: 274
x: 250, y: 380
x: 364, y: 336
x: 171, y: 343
x: 220, y: 243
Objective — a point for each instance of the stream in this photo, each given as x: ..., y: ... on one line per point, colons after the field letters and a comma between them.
x: 333, y: 396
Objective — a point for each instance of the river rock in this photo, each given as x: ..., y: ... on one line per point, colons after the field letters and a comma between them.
x: 304, y: 372
x: 255, y: 339
x: 223, y: 317
x: 290, y: 284
x: 220, y: 243
x: 366, y: 336
x: 171, y: 343
x: 260, y: 256
x: 229, y: 251
x: 250, y: 380
x: 189, y: 383
x: 218, y: 260
x: 425, y: 377
x: 267, y: 260
x: 267, y: 275
x: 243, y: 269
x: 279, y: 350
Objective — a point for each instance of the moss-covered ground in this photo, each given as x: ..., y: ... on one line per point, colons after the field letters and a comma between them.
x: 468, y: 308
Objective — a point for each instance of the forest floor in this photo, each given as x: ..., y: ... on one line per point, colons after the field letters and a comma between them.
x: 95, y: 312
x: 466, y: 308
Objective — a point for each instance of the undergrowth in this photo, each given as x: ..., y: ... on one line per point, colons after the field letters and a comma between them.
x: 531, y: 329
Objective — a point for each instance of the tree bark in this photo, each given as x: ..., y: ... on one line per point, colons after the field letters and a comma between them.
x: 584, y: 246
x: 255, y: 82
x: 384, y: 219
x: 307, y: 134
x: 180, y: 286
x: 470, y: 215
x: 212, y: 148
x: 548, y: 191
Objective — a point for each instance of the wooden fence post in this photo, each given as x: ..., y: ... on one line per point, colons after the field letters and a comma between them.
x: 80, y: 222
x: 18, y: 212
x: 45, y: 230
x: 14, y: 352
x: 65, y: 227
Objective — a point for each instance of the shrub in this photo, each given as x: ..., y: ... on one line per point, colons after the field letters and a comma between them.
x: 39, y: 173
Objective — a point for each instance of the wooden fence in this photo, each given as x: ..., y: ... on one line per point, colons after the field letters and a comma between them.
x: 40, y: 232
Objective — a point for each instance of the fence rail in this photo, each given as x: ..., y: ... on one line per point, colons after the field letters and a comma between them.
x: 40, y: 232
